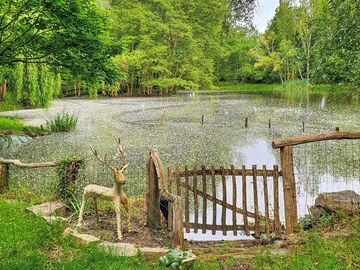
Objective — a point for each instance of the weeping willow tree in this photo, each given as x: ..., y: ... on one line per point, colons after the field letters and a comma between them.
x: 34, y: 85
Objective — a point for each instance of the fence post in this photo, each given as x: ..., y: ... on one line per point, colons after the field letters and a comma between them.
x: 286, y: 154
x: 4, y: 177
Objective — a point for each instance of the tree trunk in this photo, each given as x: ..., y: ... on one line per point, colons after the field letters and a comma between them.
x: 2, y: 90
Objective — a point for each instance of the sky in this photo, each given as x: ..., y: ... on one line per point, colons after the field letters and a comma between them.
x: 264, y: 12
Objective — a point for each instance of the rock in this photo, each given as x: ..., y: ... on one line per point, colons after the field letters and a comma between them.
x: 48, y: 209
x: 52, y: 219
x: 149, y: 250
x: 120, y: 249
x: 346, y: 200
x: 81, y: 238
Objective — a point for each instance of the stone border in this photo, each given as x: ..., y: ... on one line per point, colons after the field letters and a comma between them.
x: 53, y: 211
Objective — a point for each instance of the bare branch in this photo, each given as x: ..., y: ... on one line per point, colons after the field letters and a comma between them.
x: 121, y: 152
x: 97, y: 156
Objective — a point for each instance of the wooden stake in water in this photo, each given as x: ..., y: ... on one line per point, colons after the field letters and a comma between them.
x: 246, y: 122
x: 202, y: 120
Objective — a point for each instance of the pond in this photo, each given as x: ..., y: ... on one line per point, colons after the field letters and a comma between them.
x: 173, y: 125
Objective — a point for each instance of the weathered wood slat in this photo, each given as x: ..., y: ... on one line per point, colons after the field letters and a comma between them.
x: 196, y: 203
x: 244, y: 202
x: 220, y: 202
x: 296, y: 140
x: 177, y: 181
x: 256, y: 203
x: 213, y: 184
x: 228, y: 172
x: 277, y: 223
x: 234, y: 202
x: 187, y: 202
x: 204, y: 217
x: 223, y: 212
x: 266, y: 201
x: 170, y: 209
x: 239, y: 227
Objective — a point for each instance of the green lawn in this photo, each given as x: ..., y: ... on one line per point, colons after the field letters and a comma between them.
x: 290, y: 85
x: 11, y: 124
x: 28, y: 242
x: 337, y: 251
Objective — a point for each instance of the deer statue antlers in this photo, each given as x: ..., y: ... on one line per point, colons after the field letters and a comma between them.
x: 115, y: 194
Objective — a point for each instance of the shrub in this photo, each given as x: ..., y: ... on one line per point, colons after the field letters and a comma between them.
x: 62, y: 122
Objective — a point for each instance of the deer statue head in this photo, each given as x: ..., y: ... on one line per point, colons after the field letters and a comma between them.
x: 117, y: 171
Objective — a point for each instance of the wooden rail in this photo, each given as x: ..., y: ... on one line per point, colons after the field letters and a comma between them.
x: 296, y: 140
x: 4, y: 169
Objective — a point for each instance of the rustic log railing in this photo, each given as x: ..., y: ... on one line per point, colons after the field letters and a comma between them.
x: 287, y: 167
x: 71, y: 169
x: 4, y: 169
x: 198, y: 182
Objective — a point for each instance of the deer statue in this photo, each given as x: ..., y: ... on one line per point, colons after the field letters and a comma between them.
x: 115, y: 194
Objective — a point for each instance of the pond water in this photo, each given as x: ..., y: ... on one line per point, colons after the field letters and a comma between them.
x: 173, y: 126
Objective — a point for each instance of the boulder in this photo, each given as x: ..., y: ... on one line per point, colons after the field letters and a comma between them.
x: 119, y: 249
x: 48, y: 209
x: 347, y: 200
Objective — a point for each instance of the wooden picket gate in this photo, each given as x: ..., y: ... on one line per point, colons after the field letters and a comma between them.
x: 201, y: 184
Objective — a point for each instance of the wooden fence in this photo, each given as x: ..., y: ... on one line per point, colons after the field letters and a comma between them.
x: 201, y: 185
x: 287, y: 167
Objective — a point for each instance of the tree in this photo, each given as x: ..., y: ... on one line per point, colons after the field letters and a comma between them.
x: 282, y: 61
x: 69, y: 33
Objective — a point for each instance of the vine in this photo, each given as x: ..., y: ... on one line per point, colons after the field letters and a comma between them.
x: 68, y: 171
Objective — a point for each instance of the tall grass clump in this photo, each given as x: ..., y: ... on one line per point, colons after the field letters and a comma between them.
x: 296, y: 85
x: 62, y: 122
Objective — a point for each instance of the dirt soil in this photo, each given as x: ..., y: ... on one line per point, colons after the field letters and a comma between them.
x: 141, y: 234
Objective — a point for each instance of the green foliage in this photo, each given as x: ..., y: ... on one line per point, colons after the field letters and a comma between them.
x: 15, y: 124
x: 28, y: 242
x: 10, y: 103
x: 70, y: 33
x: 62, y: 122
x: 93, y: 90
x: 316, y: 253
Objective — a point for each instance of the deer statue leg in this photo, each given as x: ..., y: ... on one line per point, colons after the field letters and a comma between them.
x: 125, y: 203
x: 118, y: 216
x: 96, y: 210
x: 81, y: 214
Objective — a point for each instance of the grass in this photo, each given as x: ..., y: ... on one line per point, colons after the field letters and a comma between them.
x: 247, y: 87
x: 12, y: 124
x: 62, y: 122
x: 28, y: 242
x: 319, y: 252
x: 292, y: 85
x: 10, y: 103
